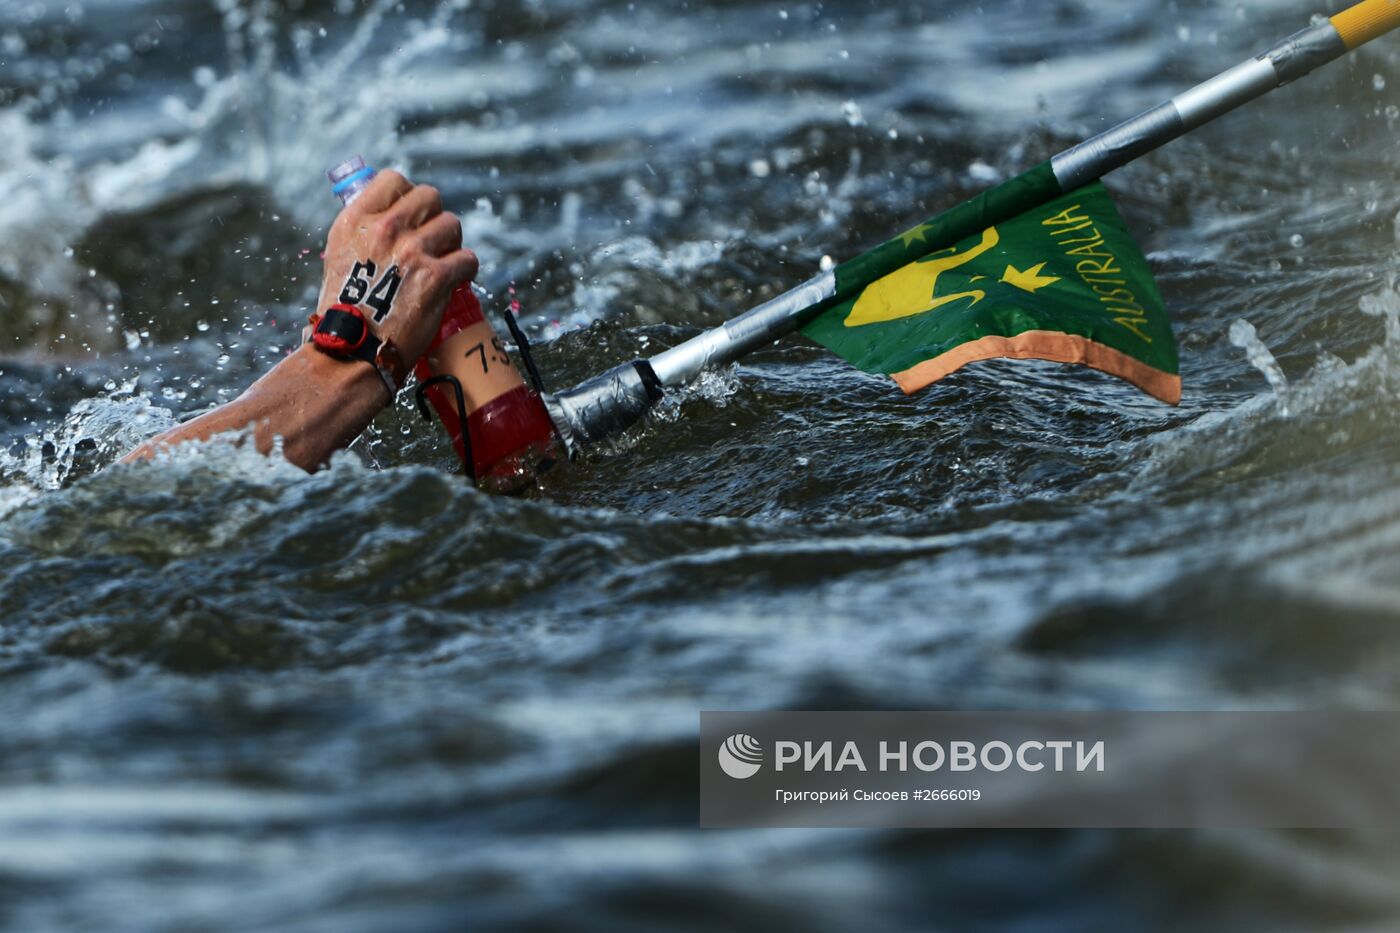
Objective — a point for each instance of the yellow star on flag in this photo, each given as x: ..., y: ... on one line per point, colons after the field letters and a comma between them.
x: 915, y: 233
x: 1029, y: 281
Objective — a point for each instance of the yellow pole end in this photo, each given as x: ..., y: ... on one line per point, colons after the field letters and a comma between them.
x: 1368, y: 20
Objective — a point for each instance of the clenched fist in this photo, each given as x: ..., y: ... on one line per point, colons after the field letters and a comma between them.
x: 397, y: 256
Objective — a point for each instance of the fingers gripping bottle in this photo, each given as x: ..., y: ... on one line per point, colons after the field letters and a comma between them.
x: 510, y: 437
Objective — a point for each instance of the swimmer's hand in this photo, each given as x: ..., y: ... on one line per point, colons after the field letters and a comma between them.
x: 318, y: 404
x: 396, y: 255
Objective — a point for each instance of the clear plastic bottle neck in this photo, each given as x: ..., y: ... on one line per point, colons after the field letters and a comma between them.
x: 349, y: 178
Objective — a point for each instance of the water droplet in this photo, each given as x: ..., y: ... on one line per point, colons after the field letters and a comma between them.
x: 851, y: 111
x: 760, y: 168
x: 982, y: 173
x: 1378, y: 82
x: 1296, y: 241
x: 827, y: 264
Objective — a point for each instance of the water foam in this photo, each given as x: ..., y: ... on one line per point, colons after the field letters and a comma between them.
x: 247, y: 126
x: 619, y: 265
x: 1333, y: 407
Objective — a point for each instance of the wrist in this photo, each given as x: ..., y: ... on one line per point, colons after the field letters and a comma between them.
x: 334, y: 381
x: 332, y: 401
x: 343, y: 333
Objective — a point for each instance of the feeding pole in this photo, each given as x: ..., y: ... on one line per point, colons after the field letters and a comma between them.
x: 615, y: 400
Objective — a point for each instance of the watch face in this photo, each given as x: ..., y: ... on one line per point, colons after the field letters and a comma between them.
x: 341, y: 331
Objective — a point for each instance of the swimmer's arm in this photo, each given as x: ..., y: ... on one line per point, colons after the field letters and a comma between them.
x: 315, y: 403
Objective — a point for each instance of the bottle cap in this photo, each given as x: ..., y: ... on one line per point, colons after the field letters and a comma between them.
x: 349, y: 178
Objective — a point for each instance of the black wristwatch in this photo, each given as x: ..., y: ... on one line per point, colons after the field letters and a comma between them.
x: 341, y: 331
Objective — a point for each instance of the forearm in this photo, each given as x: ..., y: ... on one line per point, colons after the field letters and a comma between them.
x: 315, y: 403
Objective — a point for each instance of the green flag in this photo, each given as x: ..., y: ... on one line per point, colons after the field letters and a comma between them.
x: 1062, y: 281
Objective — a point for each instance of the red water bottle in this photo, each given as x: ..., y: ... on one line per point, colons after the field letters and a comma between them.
x: 510, y: 438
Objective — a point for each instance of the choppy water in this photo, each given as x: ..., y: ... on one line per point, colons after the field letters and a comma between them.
x: 233, y: 696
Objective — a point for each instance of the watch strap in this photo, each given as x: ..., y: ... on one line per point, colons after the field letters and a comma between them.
x: 341, y: 331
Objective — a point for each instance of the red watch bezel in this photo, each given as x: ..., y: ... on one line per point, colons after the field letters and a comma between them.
x: 335, y: 344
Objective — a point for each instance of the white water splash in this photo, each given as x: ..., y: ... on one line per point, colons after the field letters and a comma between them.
x: 1385, y: 305
x: 1335, y: 406
x: 715, y: 387
x: 92, y: 435
x: 617, y: 266
x: 251, y: 125
x: 1244, y: 336
x: 43, y: 212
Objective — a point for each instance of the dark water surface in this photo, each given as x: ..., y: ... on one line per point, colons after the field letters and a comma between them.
x: 235, y: 697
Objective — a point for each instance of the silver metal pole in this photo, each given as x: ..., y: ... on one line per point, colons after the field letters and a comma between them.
x: 1286, y: 62
x: 613, y: 401
x: 744, y: 334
